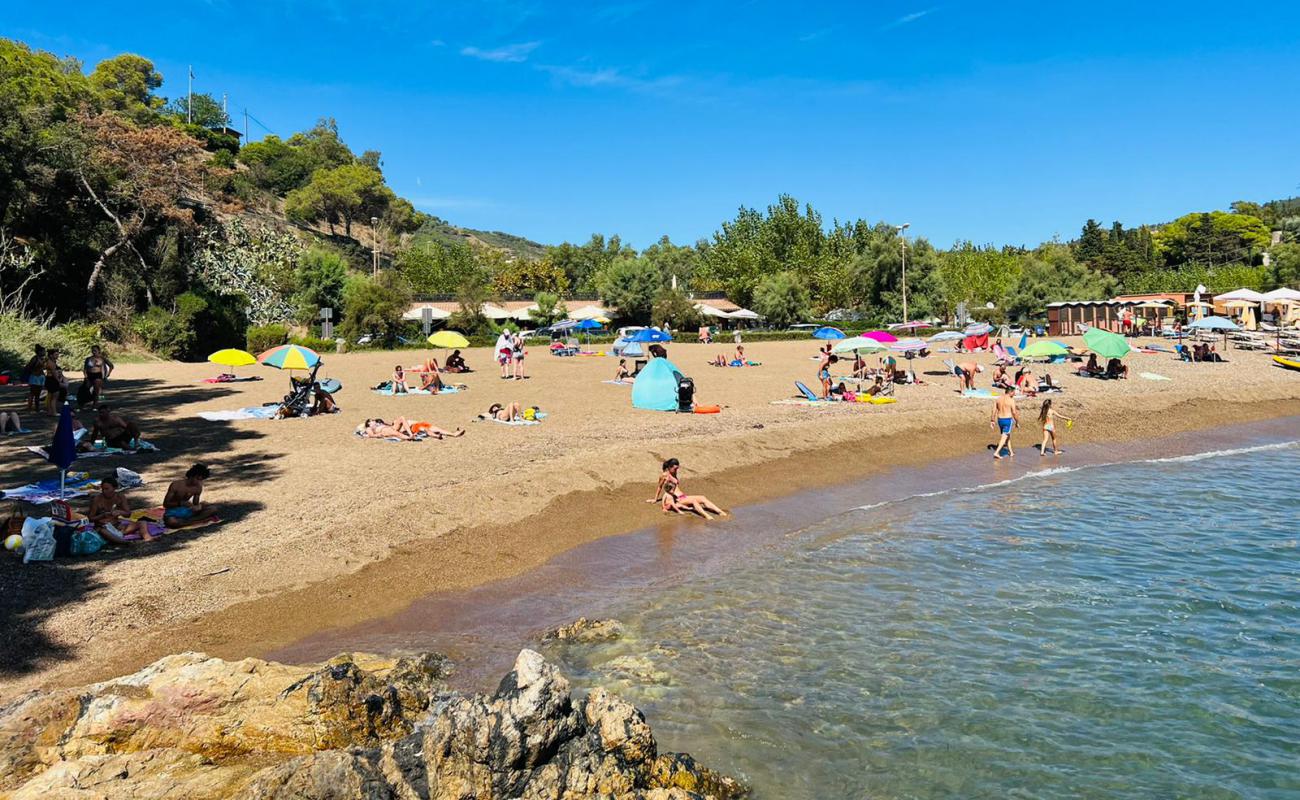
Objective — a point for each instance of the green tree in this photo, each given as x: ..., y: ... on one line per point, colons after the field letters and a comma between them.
x: 1092, y: 243
x: 582, y: 264
x: 432, y: 267
x: 782, y: 299
x: 1285, y: 267
x: 375, y: 305
x: 630, y: 284
x: 674, y: 309
x: 673, y: 261
x: 323, y: 146
x: 977, y: 275
x: 523, y: 275
x: 550, y: 309
x: 341, y: 194
x: 1051, y: 274
x: 276, y: 165
x: 1212, y: 238
x: 202, y: 109
x: 321, y: 275
x: 126, y: 83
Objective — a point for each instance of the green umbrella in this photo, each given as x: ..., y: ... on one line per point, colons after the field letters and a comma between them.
x: 1043, y: 348
x: 858, y: 344
x: 1106, y: 344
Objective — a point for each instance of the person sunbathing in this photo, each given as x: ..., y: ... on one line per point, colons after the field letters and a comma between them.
x: 377, y: 428
x: 183, y: 504
x: 115, y: 429
x: 1116, y: 369
x: 504, y: 413
x: 430, y: 380
x: 1092, y: 367
x: 720, y: 360
x: 429, y: 429
x: 111, y: 514
x: 398, y: 384
x: 1025, y: 382
x: 455, y: 363
x: 740, y: 359
x: 621, y: 375
x: 879, y: 388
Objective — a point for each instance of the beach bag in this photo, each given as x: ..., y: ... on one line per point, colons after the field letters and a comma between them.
x: 128, y: 479
x: 38, y: 540
x: 86, y: 541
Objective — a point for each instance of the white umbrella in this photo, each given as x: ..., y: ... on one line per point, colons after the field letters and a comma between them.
x: 1241, y: 294
x: 710, y: 311
x: 1283, y: 293
x: 588, y: 312
x: 744, y: 313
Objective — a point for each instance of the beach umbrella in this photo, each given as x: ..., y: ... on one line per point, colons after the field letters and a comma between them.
x: 1106, y: 344
x: 948, y: 336
x: 907, y: 345
x: 650, y: 335
x: 1281, y: 294
x: 881, y: 336
x: 232, y: 357
x: 1043, y: 349
x: 588, y: 325
x: 289, y: 356
x: 978, y: 329
x: 63, y: 450
x: 1241, y: 294
x: 1215, y: 324
x: 828, y: 333
x: 914, y: 325
x: 858, y: 344
x: 448, y: 340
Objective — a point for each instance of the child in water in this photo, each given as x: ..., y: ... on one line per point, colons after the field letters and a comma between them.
x: 1047, y: 417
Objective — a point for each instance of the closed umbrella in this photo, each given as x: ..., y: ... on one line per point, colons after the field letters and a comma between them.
x: 1106, y: 344
x: 63, y: 450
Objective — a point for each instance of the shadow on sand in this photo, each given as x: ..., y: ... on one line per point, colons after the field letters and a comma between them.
x: 30, y: 593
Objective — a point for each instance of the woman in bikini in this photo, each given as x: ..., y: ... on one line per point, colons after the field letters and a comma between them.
x: 399, y: 380
x: 824, y: 373
x: 504, y: 413
x: 95, y: 370
x: 1047, y: 416
x: 671, y: 498
x: 621, y: 375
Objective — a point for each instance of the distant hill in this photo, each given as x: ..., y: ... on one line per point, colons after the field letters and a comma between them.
x: 441, y: 230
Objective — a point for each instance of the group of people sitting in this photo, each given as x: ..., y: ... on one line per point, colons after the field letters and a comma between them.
x: 430, y: 375
x: 1198, y: 352
x: 183, y: 505
x: 734, y: 360
x: 1023, y: 380
x: 672, y: 499
x: 1115, y: 369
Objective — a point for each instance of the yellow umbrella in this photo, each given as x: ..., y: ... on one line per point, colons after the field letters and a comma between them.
x: 232, y: 357
x: 602, y: 320
x: 447, y: 340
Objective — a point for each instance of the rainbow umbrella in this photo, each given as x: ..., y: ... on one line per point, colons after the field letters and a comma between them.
x: 289, y: 356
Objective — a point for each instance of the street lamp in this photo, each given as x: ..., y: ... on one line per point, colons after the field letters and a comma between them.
x: 374, y: 241
x: 902, y: 230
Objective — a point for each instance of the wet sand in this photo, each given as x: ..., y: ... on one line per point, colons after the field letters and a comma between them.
x: 323, y: 530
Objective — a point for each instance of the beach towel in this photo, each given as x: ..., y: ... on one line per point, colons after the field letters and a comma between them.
x: 1151, y: 376
x: 101, y: 450
x: 620, y: 383
x: 231, y: 379
x: 419, y: 437
x: 448, y: 389
x: 983, y: 394
x: 78, y: 484
x: 252, y: 412
x: 514, y: 421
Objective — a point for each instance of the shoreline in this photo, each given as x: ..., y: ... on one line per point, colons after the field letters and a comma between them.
x: 482, y: 554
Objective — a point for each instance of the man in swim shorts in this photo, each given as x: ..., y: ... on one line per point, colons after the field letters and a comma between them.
x: 966, y: 374
x: 1004, y: 420
x: 183, y: 505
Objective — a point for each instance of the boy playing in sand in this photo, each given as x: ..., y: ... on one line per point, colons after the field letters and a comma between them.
x: 183, y: 504
x: 1005, y: 418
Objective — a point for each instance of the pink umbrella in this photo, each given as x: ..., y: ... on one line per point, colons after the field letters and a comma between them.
x: 881, y: 336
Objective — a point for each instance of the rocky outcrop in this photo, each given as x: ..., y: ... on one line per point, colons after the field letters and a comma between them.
x: 189, y: 726
x: 585, y: 631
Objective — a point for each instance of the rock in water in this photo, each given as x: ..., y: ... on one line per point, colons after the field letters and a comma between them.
x: 189, y: 726
x: 585, y: 631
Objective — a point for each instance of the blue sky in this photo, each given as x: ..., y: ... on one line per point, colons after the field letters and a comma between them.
x: 1001, y: 122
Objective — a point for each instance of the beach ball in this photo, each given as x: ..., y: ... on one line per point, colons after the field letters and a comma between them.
x: 14, y: 542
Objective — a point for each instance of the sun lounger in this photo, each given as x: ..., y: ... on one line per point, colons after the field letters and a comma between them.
x: 807, y: 393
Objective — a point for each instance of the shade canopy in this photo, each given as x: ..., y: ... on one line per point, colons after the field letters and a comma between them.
x: 289, y: 356
x: 655, y: 388
x: 1106, y: 344
x: 650, y: 335
x: 588, y: 312
x: 448, y: 340
x: 745, y: 313
x: 858, y: 344
x: 828, y: 333
x: 496, y: 312
x: 1215, y: 324
x: 1240, y: 294
x: 710, y: 311
x: 232, y: 357
x: 1283, y: 293
x: 1043, y: 349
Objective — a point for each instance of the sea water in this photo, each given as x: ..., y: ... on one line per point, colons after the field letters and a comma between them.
x: 1122, y: 630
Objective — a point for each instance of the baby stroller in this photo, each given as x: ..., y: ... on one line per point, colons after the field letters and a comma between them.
x: 302, y: 395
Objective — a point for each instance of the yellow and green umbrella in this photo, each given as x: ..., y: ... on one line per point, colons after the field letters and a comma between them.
x: 1043, y: 348
x: 232, y: 357
x: 289, y: 356
x: 1106, y: 344
x: 447, y: 340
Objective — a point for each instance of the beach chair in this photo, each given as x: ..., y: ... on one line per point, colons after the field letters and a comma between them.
x: 808, y: 394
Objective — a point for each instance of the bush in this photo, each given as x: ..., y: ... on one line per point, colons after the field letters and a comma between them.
x: 165, y: 333
x: 313, y: 343
x: 19, y: 336
x: 375, y: 306
x: 264, y: 337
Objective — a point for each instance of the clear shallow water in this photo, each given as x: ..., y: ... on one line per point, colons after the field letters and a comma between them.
x: 1128, y: 630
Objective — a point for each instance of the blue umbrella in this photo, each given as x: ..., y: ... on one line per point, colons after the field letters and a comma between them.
x: 828, y: 333
x: 588, y: 325
x: 63, y: 451
x: 1215, y: 324
x: 650, y: 335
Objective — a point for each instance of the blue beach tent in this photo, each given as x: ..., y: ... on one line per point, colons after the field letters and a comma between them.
x: 655, y: 388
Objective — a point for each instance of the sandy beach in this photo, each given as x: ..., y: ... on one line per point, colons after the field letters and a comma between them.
x: 322, y: 529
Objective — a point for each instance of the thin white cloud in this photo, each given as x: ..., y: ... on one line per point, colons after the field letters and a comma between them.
x: 610, y: 77
x: 812, y: 36
x: 437, y: 43
x: 908, y: 18
x: 508, y: 54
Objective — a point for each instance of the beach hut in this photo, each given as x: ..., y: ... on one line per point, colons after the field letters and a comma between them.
x: 656, y: 386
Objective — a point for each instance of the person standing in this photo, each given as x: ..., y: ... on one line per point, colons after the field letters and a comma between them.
x: 517, y: 353
x: 96, y: 369
x: 1048, y: 416
x: 56, y: 383
x: 34, y: 376
x: 1004, y: 419
x: 504, y: 352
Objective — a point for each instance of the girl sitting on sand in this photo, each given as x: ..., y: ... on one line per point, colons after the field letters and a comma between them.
x: 1047, y: 417
x: 671, y: 498
x: 621, y: 375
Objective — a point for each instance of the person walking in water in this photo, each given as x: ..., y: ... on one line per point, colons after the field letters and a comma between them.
x: 1005, y: 417
x: 1047, y: 416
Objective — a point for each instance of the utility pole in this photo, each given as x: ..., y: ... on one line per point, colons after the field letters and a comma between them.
x: 902, y: 229
x: 245, y: 126
x: 225, y: 113
x: 189, y: 99
x: 374, y: 237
